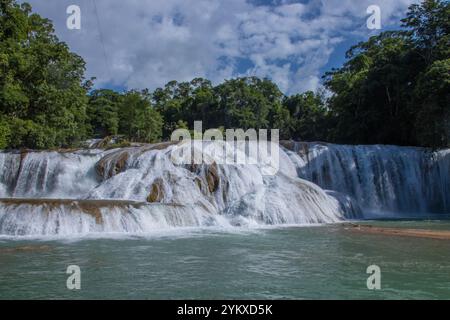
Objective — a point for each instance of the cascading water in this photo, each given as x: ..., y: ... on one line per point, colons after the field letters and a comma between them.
x: 48, y: 174
x: 379, y: 178
x: 19, y: 217
x: 140, y: 189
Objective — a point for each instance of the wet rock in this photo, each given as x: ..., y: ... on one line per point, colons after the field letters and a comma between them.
x: 156, y: 191
x: 304, y: 150
x: 198, y: 182
x: 102, y: 143
x: 49, y: 206
x: 401, y: 232
x: 91, y: 209
x: 23, y: 154
x: 201, y: 185
x: 207, y: 178
x: 288, y: 144
x: 155, y: 146
x: 112, y: 164
x: 193, y: 167
x: 162, y: 145
x: 212, y: 177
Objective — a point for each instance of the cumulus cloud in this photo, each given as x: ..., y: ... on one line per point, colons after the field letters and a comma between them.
x: 146, y: 43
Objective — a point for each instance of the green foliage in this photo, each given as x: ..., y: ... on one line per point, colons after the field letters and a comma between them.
x: 309, y: 116
x: 27, y: 133
x: 41, y: 81
x: 370, y: 101
x: 244, y: 102
x: 237, y: 103
x: 183, y: 103
x: 432, y: 100
x: 138, y: 119
x: 102, y: 112
x: 428, y: 27
x: 5, y: 133
x: 394, y: 88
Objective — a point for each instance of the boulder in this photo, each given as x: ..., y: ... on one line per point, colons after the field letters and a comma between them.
x: 212, y: 177
x: 112, y: 164
x: 156, y: 191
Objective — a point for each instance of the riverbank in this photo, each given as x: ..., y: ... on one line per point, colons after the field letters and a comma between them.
x: 401, y: 232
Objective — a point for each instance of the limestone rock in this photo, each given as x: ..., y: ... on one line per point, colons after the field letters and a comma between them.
x: 112, y: 164
x: 156, y: 192
x: 212, y: 177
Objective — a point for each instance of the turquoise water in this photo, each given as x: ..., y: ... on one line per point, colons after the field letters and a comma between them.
x: 315, y: 262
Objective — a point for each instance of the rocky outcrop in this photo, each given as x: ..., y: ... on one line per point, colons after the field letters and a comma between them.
x: 207, y: 178
x: 212, y: 177
x: 112, y: 164
x: 156, y: 191
x: 89, y: 207
x: 103, y: 143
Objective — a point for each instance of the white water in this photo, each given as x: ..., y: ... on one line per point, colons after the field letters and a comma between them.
x: 363, y: 178
x: 243, y: 196
x: 379, y: 177
x: 50, y: 174
x: 70, y: 219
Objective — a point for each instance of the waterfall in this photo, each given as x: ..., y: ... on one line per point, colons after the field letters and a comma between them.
x: 48, y: 217
x: 379, y: 178
x: 47, y: 174
x: 140, y: 189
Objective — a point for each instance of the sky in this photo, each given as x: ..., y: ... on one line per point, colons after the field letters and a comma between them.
x: 136, y: 44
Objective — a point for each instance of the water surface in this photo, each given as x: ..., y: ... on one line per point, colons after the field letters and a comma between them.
x: 314, y: 262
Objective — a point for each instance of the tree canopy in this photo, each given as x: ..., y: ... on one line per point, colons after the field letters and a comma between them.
x: 393, y: 89
x: 43, y: 95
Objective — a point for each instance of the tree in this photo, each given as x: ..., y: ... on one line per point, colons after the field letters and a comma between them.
x: 370, y: 100
x: 41, y: 82
x: 185, y: 102
x: 428, y: 26
x: 138, y: 119
x: 378, y: 94
x: 308, y: 115
x: 5, y: 133
x: 103, y: 112
x: 393, y: 88
x: 244, y: 103
x: 432, y: 98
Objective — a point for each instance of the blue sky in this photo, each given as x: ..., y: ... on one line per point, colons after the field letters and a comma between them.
x: 146, y: 43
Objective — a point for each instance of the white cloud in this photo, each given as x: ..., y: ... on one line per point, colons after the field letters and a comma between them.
x: 146, y: 43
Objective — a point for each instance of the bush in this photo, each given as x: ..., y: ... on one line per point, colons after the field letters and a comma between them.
x: 28, y: 133
x: 5, y: 133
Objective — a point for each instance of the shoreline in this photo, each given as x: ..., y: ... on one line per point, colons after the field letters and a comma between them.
x: 401, y: 232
